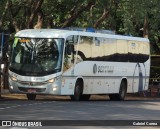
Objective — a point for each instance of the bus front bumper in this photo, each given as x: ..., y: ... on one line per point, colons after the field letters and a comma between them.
x: 32, y: 88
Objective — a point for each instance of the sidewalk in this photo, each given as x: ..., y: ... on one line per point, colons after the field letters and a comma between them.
x: 8, y: 96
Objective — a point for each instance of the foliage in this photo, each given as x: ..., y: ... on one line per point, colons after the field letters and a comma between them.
x: 130, y: 17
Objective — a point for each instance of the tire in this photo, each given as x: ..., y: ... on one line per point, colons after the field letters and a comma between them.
x: 85, y: 97
x: 77, y: 92
x: 122, y: 93
x: 31, y: 96
x: 112, y: 96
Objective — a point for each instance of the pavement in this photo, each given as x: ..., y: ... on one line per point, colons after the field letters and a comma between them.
x: 6, y: 95
x: 60, y: 107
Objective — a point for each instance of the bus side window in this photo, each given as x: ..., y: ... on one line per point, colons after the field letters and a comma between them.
x: 73, y: 39
x: 69, y: 49
x: 71, y: 42
x: 97, y: 48
x: 96, y: 41
x: 84, y: 48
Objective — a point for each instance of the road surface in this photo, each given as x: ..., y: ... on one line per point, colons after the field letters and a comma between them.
x: 52, y: 108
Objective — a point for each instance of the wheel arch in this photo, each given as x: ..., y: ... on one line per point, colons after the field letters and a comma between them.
x: 78, y: 89
x: 125, y: 80
x: 80, y: 78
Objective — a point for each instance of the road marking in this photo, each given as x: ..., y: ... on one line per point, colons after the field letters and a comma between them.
x: 15, y: 106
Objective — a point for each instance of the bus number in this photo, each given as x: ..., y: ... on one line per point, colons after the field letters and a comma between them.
x: 105, y: 69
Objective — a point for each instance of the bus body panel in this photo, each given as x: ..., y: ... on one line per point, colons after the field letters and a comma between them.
x: 99, y: 77
x: 108, y: 76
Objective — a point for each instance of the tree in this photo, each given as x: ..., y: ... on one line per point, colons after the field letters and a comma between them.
x: 137, y: 18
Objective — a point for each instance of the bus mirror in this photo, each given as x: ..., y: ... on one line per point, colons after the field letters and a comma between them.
x: 70, y: 49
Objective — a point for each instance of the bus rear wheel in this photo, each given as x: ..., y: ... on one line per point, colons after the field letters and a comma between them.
x: 122, y: 92
x: 77, y: 91
x: 31, y: 96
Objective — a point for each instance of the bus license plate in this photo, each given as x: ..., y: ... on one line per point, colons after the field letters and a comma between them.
x: 31, y: 90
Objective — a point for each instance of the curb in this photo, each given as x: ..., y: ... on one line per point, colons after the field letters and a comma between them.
x: 4, y: 91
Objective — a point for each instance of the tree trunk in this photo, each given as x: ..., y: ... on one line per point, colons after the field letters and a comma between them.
x: 50, y: 22
x: 145, y: 28
x: 12, y: 15
x: 40, y: 20
x: 34, y: 13
x: 102, y: 18
x: 76, y: 14
x: 16, y: 25
x: 0, y: 79
x: 5, y: 77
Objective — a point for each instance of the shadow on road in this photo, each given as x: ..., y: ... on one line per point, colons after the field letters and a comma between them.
x: 22, y: 97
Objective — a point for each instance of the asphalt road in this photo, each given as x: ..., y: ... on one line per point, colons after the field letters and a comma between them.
x: 64, y: 109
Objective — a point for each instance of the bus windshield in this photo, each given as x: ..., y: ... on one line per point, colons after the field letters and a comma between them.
x: 36, y: 56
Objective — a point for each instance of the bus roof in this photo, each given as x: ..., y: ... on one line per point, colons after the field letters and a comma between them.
x: 60, y: 33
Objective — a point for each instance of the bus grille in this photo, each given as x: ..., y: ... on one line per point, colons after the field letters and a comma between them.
x: 24, y: 89
x: 31, y: 83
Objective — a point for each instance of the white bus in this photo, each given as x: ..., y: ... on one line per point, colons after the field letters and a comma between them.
x: 78, y: 64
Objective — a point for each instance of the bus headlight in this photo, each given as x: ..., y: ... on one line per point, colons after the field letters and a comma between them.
x: 54, y: 88
x: 11, y: 87
x: 51, y: 80
x: 13, y: 78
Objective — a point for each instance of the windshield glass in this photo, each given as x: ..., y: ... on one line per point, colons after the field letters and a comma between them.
x: 36, y: 56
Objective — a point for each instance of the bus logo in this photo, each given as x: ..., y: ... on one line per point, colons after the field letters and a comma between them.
x: 94, y: 68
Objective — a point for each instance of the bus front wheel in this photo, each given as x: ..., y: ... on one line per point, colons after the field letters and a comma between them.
x: 122, y: 92
x: 77, y: 91
x: 31, y: 96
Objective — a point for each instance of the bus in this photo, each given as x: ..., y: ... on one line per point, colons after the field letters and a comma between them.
x: 78, y: 63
